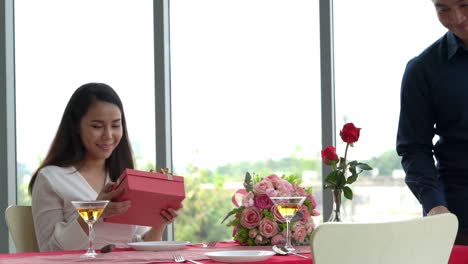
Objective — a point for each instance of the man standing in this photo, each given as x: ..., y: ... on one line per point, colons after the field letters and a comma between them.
x: 434, y: 101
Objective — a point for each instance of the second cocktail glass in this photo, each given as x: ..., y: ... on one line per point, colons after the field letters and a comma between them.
x: 287, y: 207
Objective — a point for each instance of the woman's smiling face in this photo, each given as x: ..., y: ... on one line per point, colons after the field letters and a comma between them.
x: 101, y: 130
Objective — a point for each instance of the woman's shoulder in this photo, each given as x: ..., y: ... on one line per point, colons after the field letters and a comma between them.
x: 54, y: 171
x: 54, y: 177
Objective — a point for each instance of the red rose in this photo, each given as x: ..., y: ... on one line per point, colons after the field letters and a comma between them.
x: 329, y: 155
x: 263, y: 202
x: 350, y: 133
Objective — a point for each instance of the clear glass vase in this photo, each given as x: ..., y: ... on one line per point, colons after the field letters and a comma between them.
x: 338, y: 213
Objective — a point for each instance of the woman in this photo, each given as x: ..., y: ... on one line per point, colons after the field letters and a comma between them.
x: 89, y: 152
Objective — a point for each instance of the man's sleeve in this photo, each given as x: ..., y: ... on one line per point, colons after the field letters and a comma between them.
x: 414, y: 139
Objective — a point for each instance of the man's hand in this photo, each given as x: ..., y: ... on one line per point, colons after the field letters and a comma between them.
x: 440, y: 209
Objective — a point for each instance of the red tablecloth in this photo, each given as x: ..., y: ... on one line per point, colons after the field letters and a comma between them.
x: 459, y: 255
x: 131, y: 256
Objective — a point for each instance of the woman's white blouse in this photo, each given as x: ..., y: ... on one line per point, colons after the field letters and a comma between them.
x: 55, y: 218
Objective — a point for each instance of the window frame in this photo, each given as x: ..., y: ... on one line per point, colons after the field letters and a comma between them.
x: 7, y: 119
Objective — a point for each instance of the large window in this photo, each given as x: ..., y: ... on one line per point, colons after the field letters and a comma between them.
x: 61, y: 45
x: 245, y: 91
x: 371, y: 52
x: 245, y: 97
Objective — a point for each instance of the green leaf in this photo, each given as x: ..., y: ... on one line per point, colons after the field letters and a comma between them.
x: 332, y: 177
x: 341, y: 180
x: 233, y: 211
x: 248, y: 185
x: 352, y: 178
x: 298, y: 216
x: 348, y: 193
x: 234, y: 222
x: 268, y: 213
x: 256, y: 178
x: 292, y: 178
x: 342, y: 161
x: 364, y: 166
x: 282, y: 226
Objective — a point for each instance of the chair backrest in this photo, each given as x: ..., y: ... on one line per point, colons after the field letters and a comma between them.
x: 423, y: 240
x: 21, y: 226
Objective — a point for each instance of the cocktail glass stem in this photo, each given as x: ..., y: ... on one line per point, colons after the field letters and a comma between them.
x: 288, y: 245
x: 90, y: 253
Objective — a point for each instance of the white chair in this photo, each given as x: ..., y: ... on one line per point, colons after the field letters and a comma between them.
x: 423, y: 240
x: 21, y: 226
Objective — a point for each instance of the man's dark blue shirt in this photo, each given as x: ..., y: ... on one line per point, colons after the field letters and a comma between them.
x: 434, y: 101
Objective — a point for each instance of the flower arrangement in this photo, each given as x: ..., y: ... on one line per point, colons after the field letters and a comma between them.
x: 338, y: 179
x: 258, y: 222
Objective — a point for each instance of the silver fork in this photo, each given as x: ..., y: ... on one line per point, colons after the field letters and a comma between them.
x: 178, y: 258
x: 210, y: 244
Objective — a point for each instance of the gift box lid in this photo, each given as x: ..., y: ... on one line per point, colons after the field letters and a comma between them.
x: 144, y: 181
x: 148, y: 174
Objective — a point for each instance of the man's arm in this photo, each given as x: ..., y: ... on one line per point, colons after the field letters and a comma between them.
x: 414, y: 140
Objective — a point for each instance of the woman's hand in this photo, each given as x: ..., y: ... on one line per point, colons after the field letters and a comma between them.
x: 168, y: 215
x: 156, y: 232
x: 113, y: 208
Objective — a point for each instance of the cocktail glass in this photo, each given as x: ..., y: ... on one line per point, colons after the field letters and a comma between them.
x: 287, y: 207
x: 90, y: 211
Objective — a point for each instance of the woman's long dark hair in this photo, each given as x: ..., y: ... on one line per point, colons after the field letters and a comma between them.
x: 67, y: 148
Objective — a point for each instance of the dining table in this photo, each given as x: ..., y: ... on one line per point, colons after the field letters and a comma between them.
x: 459, y: 255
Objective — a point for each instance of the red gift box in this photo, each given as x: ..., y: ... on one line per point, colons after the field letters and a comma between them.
x: 149, y: 192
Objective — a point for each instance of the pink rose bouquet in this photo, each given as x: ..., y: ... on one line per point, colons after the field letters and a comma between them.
x: 258, y: 222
